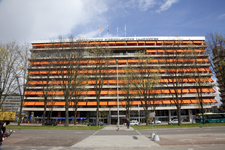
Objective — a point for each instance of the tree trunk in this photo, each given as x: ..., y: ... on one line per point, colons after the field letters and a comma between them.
x: 75, y: 115
x: 43, y: 121
x: 97, y: 112
x: 20, y: 116
x: 202, y: 111
x: 66, y: 113
x: 146, y: 116
x: 128, y: 109
x: 178, y: 115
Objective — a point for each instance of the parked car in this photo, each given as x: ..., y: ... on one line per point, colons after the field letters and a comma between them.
x: 157, y: 122
x: 51, y: 123
x: 134, y: 123
x: 93, y: 124
x: 174, y: 121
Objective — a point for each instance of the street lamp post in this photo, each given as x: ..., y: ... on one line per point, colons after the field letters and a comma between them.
x: 118, y: 113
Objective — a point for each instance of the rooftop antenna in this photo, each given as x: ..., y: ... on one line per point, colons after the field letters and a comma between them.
x: 117, y: 31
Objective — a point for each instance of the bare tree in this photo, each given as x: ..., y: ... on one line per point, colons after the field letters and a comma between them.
x: 47, y: 84
x: 145, y: 79
x: 21, y: 74
x: 216, y: 51
x: 177, y: 64
x: 44, y: 65
x: 9, y: 63
x: 68, y: 71
x: 99, y: 61
x: 201, y: 82
x: 78, y: 87
x: 127, y: 87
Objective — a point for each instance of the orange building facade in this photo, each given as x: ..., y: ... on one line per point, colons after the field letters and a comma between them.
x: 124, y: 49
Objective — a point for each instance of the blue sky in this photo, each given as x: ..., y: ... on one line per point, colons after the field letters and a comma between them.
x: 27, y: 20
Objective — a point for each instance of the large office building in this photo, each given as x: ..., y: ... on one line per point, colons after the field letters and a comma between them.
x: 179, y: 59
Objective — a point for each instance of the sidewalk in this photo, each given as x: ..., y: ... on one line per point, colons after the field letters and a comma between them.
x: 115, y: 128
x: 135, y: 140
x: 116, y: 141
x: 39, y: 124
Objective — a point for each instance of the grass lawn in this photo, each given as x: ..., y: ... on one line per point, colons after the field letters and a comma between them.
x: 181, y: 126
x: 54, y: 127
x: 97, y: 128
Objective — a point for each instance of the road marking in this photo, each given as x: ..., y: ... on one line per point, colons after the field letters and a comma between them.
x: 180, y: 130
x: 162, y: 129
x: 78, y: 132
x: 138, y: 132
x: 95, y: 133
x: 207, y: 129
x: 198, y: 146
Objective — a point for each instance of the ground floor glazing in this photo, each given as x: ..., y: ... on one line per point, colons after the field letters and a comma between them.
x: 110, y: 117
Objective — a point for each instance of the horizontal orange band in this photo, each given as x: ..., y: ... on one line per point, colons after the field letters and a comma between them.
x: 124, y: 92
x: 120, y: 71
x: 105, y: 82
x: 114, y: 103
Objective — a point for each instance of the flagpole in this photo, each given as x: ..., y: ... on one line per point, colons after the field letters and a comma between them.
x: 100, y: 31
x: 125, y: 30
x: 107, y: 30
x: 117, y: 31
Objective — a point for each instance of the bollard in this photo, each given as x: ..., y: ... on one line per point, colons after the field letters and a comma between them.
x: 156, y: 138
x: 152, y: 135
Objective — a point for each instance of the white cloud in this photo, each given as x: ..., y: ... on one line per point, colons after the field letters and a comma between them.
x: 166, y: 5
x: 221, y: 16
x: 142, y: 5
x: 28, y: 20
x: 90, y: 34
x: 146, y: 4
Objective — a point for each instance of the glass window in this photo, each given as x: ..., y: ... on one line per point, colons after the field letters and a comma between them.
x: 161, y: 113
x: 173, y: 112
x: 184, y: 112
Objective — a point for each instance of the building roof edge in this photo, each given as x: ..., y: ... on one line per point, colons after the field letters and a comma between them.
x: 146, y: 38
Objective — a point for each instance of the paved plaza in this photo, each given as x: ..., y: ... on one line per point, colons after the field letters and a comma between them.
x: 111, y: 138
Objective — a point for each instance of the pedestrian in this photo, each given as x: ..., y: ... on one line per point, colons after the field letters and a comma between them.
x: 128, y: 123
x: 2, y: 131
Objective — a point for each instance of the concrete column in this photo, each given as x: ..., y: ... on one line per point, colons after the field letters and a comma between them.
x: 169, y: 112
x: 189, y: 115
x: 109, y: 119
x: 109, y: 116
